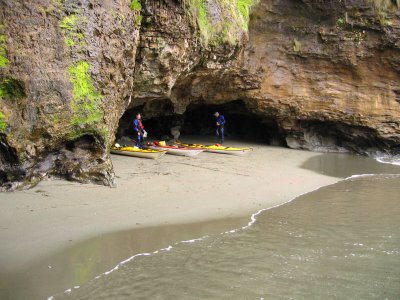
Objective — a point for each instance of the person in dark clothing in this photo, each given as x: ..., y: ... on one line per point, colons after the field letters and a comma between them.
x: 139, y: 128
x: 220, y: 123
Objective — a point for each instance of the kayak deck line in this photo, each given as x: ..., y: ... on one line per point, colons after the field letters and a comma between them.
x: 219, y: 149
x: 137, y: 152
x: 175, y: 150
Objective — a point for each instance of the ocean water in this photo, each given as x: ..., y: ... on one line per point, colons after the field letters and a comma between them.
x: 339, y: 242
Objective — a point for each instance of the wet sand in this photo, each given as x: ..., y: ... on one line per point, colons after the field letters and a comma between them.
x: 172, y: 190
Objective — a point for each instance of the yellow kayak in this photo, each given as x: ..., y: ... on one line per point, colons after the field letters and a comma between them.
x: 219, y: 149
x: 136, y: 152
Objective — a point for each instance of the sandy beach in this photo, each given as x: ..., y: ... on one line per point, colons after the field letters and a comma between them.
x: 60, y: 234
x: 172, y: 190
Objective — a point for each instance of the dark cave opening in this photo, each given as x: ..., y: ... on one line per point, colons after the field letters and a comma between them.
x: 158, y: 128
x: 9, y: 169
x: 125, y: 127
x: 199, y: 120
x: 7, y: 153
x: 241, y: 123
x: 157, y: 117
x: 86, y: 142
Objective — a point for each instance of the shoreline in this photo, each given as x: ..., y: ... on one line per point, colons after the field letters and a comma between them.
x: 60, y: 229
x: 172, y: 190
x: 61, y: 234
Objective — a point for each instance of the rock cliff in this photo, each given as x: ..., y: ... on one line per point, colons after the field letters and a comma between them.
x: 66, y: 79
x: 330, y: 72
x: 325, y: 75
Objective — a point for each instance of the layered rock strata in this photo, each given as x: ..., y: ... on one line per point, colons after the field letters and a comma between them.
x: 330, y: 71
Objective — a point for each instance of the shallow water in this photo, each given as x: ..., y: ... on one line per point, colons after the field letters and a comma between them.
x: 340, y: 242
x: 344, y: 165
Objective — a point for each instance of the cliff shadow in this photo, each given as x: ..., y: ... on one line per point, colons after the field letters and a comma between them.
x: 9, y: 168
x: 161, y: 122
x: 158, y: 118
x: 241, y: 123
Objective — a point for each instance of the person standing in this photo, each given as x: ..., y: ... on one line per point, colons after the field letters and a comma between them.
x: 220, y: 123
x: 139, y: 128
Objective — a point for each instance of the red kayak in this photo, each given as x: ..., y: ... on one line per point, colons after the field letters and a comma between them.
x: 175, y: 150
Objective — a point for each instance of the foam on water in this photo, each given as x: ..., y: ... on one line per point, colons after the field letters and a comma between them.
x: 389, y: 159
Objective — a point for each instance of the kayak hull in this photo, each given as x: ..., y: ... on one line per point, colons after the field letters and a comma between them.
x: 230, y: 152
x: 178, y: 151
x: 140, y: 154
x: 220, y: 149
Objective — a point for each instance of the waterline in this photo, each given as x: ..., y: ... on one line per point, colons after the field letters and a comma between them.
x: 340, y: 241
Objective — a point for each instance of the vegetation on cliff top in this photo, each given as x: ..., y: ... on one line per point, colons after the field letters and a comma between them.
x: 221, y: 21
x: 86, y: 100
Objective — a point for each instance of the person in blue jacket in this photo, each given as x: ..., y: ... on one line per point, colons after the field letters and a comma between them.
x: 220, y: 123
x: 139, y: 128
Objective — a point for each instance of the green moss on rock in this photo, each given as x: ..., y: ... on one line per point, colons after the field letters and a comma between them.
x: 86, y: 107
x: 136, y: 5
x: 3, y: 59
x: 3, y: 123
x: 11, y: 89
x: 227, y: 28
x: 203, y: 21
x: 244, y: 7
x: 70, y: 28
x: 138, y: 20
x: 86, y: 100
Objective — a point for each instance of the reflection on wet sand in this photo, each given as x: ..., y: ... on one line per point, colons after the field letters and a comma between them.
x: 76, y: 265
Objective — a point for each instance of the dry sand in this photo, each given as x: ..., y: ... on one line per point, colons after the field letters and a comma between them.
x: 172, y: 190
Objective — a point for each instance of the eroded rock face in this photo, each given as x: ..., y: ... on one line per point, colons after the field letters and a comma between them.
x: 67, y: 81
x: 331, y: 72
x: 172, y: 57
x: 325, y: 74
x: 76, y: 69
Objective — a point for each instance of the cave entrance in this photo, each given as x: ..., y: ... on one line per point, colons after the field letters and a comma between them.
x: 241, y: 123
x: 198, y: 120
x: 157, y: 116
x: 125, y: 133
